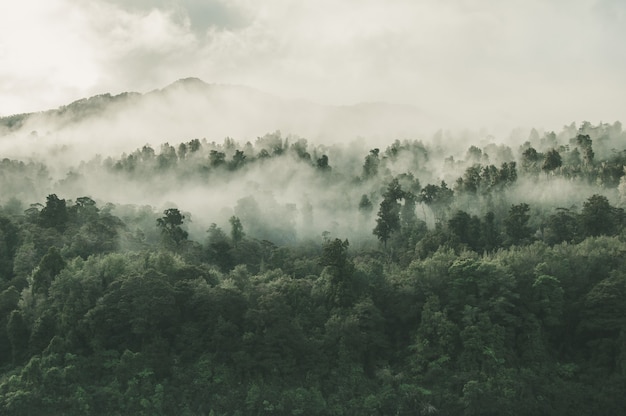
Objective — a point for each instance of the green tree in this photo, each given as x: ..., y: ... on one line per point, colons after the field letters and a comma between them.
x: 489, y: 232
x: 49, y: 267
x: 322, y: 164
x: 219, y: 248
x: 238, y: 161
x: 18, y: 335
x: 365, y: 205
x: 561, y: 226
x: 467, y: 228
x: 216, y: 158
x: 236, y: 230
x: 585, y: 143
x: 370, y: 166
x: 530, y: 159
x: 552, y: 161
x: 598, y: 217
x: 547, y: 302
x: 9, y: 243
x: 171, y: 226
x: 340, y: 270
x: 388, y: 220
x: 438, y: 198
x: 516, y: 224
x: 54, y: 214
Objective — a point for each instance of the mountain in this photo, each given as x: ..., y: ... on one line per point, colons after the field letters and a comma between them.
x: 192, y: 108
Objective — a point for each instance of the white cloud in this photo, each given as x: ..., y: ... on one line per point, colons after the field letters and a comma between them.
x: 481, y: 61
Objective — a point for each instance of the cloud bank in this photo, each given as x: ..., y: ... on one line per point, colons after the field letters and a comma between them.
x: 479, y: 63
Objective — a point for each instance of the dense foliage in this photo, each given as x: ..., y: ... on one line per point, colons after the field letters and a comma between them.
x: 457, y: 299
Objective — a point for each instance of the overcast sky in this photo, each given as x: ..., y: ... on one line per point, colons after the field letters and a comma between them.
x: 541, y: 63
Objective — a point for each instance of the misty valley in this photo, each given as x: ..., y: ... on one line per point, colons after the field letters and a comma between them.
x: 309, y: 270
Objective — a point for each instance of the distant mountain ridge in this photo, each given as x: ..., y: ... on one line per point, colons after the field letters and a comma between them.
x: 190, y: 108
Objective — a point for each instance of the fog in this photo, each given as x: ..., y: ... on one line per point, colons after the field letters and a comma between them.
x: 472, y: 64
x: 126, y: 150
x: 346, y: 77
x: 191, y: 108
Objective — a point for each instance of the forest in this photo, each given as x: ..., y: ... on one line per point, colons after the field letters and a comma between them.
x: 282, y: 277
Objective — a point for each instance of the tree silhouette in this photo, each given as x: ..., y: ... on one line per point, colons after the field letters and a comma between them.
x: 170, y: 226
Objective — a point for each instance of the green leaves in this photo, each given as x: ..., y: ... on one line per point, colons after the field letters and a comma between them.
x: 171, y: 226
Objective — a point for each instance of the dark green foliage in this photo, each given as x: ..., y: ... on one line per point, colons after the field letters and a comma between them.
x: 340, y: 272
x: 585, y: 143
x: 488, y: 306
x: 388, y: 220
x: 171, y: 226
x: 17, y: 335
x: 365, y: 205
x: 322, y: 164
x: 438, y: 198
x: 49, y: 267
x: 516, y: 224
x: 598, y: 217
x: 531, y: 159
x: 54, y: 214
x: 236, y: 230
x: 552, y: 161
x: 219, y: 248
x: 370, y: 167
x: 9, y: 243
x: 484, y: 180
x: 468, y: 229
x: 561, y: 226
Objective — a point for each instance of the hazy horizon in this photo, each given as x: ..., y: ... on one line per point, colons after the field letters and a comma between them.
x: 467, y: 64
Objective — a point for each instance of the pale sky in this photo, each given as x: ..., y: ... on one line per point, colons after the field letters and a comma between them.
x: 539, y: 63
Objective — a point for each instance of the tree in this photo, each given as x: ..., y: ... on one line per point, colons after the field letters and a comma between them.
x: 236, y: 230
x: 365, y: 205
x: 49, y: 267
x: 239, y: 159
x: 216, y: 158
x: 219, y: 248
x: 467, y: 228
x: 194, y: 145
x: 322, y: 164
x: 340, y: 269
x: 167, y: 159
x: 489, y: 233
x: 585, y: 143
x: 552, y: 161
x: 597, y: 217
x: 561, y: 226
x: 18, y: 334
x: 370, y: 166
x: 171, y: 224
x: 530, y: 159
x: 438, y: 198
x: 9, y: 242
x: 516, y: 224
x: 388, y: 220
x: 54, y: 214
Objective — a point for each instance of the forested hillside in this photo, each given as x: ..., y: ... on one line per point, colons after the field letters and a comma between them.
x: 289, y: 278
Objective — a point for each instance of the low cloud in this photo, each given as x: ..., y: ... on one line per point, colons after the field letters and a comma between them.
x: 476, y: 63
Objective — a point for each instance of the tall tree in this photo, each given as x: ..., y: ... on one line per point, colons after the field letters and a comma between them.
x: 552, y: 161
x: 388, y: 220
x: 370, y: 166
x: 49, y: 267
x: 516, y: 224
x: 341, y: 270
x: 54, y: 214
x: 170, y: 225
x: 597, y: 216
x: 236, y: 230
x: 585, y: 143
